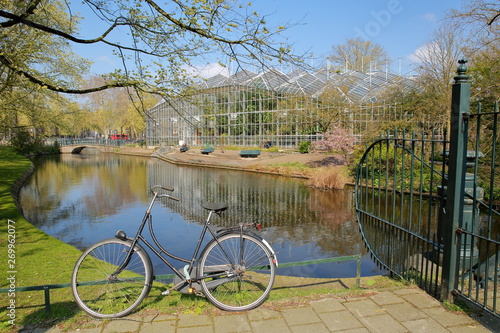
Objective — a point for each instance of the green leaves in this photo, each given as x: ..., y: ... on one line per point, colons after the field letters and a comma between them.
x: 177, y: 33
x: 156, y: 44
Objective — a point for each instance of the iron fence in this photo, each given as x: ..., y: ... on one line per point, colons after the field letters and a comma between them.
x: 428, y: 205
x: 88, y: 141
x: 397, y: 195
x: 478, y: 243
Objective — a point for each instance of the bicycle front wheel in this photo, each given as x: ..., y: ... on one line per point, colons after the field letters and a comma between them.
x: 100, y: 290
x: 237, y: 272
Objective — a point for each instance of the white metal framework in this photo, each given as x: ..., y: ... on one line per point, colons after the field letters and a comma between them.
x: 248, y: 109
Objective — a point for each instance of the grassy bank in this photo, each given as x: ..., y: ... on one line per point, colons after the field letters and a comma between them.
x: 41, y: 259
x: 37, y: 258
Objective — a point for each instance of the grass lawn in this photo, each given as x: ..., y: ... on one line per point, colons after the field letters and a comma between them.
x: 37, y: 258
x: 41, y: 259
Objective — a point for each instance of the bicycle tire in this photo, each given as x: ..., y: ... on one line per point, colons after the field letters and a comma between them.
x: 235, y: 280
x: 98, y: 293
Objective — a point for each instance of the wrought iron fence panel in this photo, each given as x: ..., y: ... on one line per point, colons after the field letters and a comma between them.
x: 479, y: 233
x: 398, y: 185
x: 428, y: 206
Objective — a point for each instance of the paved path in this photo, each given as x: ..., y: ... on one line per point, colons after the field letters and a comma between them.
x: 401, y: 310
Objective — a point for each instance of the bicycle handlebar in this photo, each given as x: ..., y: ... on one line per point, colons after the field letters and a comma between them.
x: 168, y: 196
x: 166, y: 188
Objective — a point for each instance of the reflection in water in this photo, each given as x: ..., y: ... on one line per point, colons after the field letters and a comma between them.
x: 68, y: 195
x: 81, y: 200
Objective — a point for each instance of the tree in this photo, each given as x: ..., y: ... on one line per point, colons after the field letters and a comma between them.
x: 480, y: 17
x: 24, y: 48
x: 484, y: 70
x: 337, y: 139
x: 429, y: 101
x: 480, y: 21
x: 114, y: 110
x: 24, y: 103
x: 163, y: 40
x: 472, y: 32
x: 359, y: 55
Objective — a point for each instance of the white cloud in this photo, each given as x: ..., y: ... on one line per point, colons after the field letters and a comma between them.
x: 430, y: 17
x: 207, y: 71
x: 422, y: 52
x: 104, y: 60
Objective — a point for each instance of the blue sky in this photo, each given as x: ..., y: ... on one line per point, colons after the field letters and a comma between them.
x: 400, y: 26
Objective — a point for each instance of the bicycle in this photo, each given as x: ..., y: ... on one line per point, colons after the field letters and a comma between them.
x: 235, y: 270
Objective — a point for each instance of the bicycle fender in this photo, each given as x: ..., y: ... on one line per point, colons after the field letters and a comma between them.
x: 275, y: 258
x: 249, y: 233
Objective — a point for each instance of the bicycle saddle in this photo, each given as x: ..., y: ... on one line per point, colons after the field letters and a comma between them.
x: 217, y: 207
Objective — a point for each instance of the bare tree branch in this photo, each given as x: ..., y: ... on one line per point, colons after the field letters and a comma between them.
x: 177, y: 33
x: 490, y: 22
x: 49, y: 86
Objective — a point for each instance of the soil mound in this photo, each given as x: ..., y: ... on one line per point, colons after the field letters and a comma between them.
x: 327, y: 161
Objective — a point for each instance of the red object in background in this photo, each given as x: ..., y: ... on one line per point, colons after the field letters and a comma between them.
x: 118, y: 137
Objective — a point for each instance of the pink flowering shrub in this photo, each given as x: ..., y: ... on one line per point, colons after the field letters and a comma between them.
x: 338, y: 140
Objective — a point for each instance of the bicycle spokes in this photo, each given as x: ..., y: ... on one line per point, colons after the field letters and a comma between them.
x: 236, y: 288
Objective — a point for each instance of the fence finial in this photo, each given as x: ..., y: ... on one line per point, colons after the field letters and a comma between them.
x: 461, y: 70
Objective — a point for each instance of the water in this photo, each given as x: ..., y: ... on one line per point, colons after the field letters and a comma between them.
x: 83, y: 199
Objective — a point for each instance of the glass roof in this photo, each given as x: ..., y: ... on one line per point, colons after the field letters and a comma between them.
x: 358, y: 87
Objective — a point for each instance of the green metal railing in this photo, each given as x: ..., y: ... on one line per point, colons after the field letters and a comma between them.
x: 397, y: 190
x: 46, y: 288
x: 88, y: 141
x: 477, y: 271
x: 428, y: 205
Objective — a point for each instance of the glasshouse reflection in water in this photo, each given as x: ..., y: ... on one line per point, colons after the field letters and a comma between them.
x: 81, y: 200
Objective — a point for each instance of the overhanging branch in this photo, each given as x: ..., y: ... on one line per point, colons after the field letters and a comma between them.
x: 16, y: 19
x: 55, y: 88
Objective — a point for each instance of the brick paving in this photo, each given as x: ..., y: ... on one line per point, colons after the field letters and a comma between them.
x: 401, y: 310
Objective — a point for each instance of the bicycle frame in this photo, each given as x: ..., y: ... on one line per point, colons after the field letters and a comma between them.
x: 235, y: 270
x: 184, y: 275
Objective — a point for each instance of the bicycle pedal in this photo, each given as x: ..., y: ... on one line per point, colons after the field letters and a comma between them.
x: 165, y: 293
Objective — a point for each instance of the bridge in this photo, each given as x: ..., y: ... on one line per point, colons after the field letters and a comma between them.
x: 75, y: 146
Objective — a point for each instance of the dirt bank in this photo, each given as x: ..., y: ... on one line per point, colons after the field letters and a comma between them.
x: 231, y: 158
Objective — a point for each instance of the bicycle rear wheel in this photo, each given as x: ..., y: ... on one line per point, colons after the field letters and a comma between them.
x: 237, y: 272
x: 100, y: 293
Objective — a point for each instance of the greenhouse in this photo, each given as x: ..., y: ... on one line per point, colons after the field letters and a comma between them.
x: 248, y: 109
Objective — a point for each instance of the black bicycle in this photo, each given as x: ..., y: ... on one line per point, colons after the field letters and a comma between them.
x: 235, y: 270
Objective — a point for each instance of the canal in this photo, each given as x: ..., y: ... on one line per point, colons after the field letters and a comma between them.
x: 81, y: 199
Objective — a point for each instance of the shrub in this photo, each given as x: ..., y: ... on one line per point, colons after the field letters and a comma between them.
x: 304, y: 147
x: 337, y: 139
x: 25, y: 144
x: 329, y: 178
x: 54, y: 149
